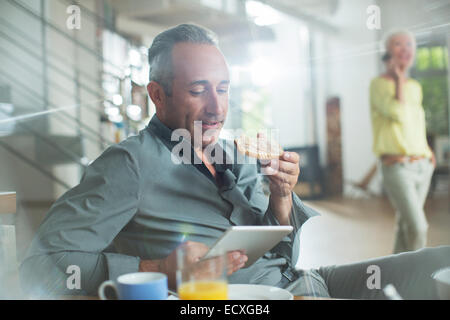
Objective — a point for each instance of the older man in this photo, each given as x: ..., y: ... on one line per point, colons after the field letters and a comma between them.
x: 135, y: 205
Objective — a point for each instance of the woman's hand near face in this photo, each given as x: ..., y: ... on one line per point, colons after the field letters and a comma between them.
x: 395, y: 71
x: 399, y: 77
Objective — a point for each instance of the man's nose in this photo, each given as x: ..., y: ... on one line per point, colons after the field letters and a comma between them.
x: 214, y: 105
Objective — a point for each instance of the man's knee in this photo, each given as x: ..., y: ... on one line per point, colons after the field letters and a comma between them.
x: 441, y: 253
x: 429, y: 259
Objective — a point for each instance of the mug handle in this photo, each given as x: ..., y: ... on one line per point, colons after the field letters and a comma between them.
x: 101, y: 289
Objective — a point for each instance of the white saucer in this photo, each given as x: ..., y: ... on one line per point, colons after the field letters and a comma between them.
x: 257, y: 292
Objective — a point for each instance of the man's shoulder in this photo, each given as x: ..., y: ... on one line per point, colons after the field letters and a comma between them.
x: 144, y: 140
x: 144, y: 144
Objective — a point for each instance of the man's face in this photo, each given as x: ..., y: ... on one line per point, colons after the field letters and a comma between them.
x: 199, y: 90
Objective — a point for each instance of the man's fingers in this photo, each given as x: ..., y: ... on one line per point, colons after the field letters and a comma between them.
x: 236, y: 260
x: 290, y: 157
x: 281, y: 178
x: 268, y: 171
x: 237, y: 257
x: 272, y: 167
x: 289, y: 163
x: 289, y: 167
x: 194, y: 251
x: 277, y: 168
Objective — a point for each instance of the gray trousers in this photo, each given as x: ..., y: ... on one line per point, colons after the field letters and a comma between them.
x: 407, y: 185
x: 409, y: 272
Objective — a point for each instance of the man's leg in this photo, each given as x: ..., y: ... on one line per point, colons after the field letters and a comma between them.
x: 409, y: 272
x: 307, y: 283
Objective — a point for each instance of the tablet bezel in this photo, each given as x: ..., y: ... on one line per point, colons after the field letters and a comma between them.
x: 226, y: 241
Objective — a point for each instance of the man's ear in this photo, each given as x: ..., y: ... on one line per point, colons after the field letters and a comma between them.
x: 157, y: 94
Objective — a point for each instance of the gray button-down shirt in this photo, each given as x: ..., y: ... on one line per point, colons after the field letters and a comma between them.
x: 134, y: 203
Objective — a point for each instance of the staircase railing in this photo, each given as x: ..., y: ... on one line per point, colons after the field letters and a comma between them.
x: 33, y: 164
x: 17, y: 39
x: 32, y: 13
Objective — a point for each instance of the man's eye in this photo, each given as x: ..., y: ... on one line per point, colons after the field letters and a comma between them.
x: 196, y: 92
x: 225, y: 90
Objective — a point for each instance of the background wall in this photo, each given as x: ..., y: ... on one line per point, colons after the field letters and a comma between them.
x: 345, y: 63
x: 23, y: 72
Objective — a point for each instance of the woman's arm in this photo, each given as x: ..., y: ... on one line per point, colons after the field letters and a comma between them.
x: 385, y: 103
x: 399, y: 79
x: 399, y: 85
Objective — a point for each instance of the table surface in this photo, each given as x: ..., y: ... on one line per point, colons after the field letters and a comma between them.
x: 7, y: 202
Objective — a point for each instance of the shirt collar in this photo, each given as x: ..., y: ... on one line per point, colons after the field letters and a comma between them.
x: 162, y: 132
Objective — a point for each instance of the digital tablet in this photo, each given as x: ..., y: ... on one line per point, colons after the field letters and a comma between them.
x: 254, y: 240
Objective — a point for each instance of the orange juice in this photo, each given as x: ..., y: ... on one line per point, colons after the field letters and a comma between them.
x: 203, y: 290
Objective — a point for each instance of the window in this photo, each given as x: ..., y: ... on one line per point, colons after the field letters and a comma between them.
x: 431, y: 71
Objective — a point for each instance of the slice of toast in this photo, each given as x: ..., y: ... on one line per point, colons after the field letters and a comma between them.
x: 259, y: 148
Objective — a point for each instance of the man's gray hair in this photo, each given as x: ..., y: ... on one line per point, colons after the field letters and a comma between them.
x: 160, y: 52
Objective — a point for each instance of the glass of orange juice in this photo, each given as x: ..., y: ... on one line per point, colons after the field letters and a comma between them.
x: 202, y: 280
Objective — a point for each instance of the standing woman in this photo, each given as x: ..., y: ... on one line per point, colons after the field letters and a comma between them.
x: 399, y: 137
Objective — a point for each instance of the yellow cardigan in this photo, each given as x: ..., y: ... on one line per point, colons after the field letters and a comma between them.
x: 398, y: 129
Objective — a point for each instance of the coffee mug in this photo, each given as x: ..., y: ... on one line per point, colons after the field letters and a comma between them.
x: 137, y: 286
x: 442, y: 281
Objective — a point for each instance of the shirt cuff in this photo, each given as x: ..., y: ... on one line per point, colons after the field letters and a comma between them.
x: 299, y: 214
x: 289, y: 244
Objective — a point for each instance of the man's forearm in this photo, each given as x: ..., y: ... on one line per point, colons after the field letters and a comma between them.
x: 150, y: 266
x: 163, y: 266
x: 281, y: 208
